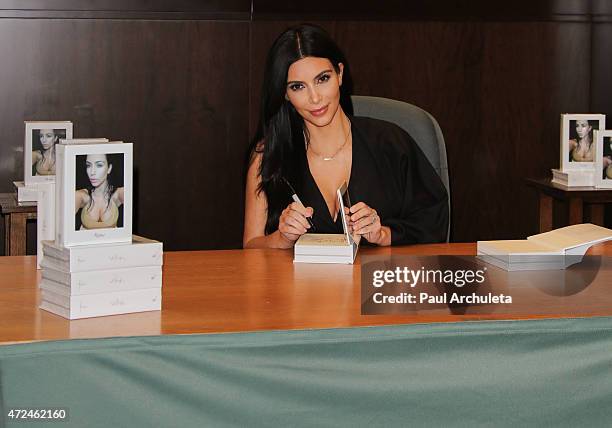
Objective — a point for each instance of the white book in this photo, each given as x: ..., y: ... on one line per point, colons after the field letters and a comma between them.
x: 329, y: 248
x: 68, y: 169
x: 69, y: 141
x: 556, y: 249
x: 578, y: 178
x: 55, y: 287
x: 26, y: 193
x: 33, y: 149
x: 103, y: 281
x: 45, y: 217
x: 102, y: 304
x: 324, y: 248
x: 82, y: 258
x: 571, y: 237
x: 510, y: 264
x: 521, y: 249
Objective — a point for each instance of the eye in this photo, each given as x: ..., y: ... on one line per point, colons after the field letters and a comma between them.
x: 296, y: 86
x: 99, y: 164
x: 324, y: 78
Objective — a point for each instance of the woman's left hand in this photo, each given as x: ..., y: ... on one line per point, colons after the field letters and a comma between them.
x: 365, y: 221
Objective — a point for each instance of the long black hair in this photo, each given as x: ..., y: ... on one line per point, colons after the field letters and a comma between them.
x: 594, y: 124
x: 280, y: 131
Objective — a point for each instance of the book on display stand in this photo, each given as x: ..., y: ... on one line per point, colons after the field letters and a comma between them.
x: 95, y: 266
x: 74, y: 183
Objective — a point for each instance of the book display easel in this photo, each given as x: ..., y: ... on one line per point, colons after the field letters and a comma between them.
x: 40, y: 143
x: 91, y: 263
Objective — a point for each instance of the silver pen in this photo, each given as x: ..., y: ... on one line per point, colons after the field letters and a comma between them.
x: 296, y: 199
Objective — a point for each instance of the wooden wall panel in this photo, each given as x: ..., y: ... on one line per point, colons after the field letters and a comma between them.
x: 531, y: 74
x: 177, y: 90
x: 127, y: 9
x: 182, y: 81
x: 436, y: 66
x: 424, y: 10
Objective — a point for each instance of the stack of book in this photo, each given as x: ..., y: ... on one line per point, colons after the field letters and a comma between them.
x: 105, y: 279
x: 26, y: 194
x: 329, y: 248
x: 557, y: 249
x: 584, y: 178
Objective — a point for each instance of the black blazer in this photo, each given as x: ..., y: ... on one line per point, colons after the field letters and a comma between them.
x: 391, y: 174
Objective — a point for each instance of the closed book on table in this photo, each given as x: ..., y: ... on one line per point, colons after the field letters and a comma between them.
x: 102, y: 281
x: 101, y: 304
x: 82, y: 258
x: 574, y: 178
x: 324, y: 248
x: 26, y: 193
x: 522, y: 254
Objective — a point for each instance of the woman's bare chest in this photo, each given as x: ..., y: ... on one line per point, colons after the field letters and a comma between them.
x: 329, y: 176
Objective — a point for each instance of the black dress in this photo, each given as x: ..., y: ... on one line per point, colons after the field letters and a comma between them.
x: 391, y: 174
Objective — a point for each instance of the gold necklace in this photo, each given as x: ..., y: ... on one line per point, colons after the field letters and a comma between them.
x: 329, y: 158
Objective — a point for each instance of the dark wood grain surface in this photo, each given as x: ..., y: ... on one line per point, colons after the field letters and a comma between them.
x: 587, y: 193
x: 447, y: 10
x: 126, y: 9
x: 165, y: 86
x: 519, y: 10
x: 185, y: 90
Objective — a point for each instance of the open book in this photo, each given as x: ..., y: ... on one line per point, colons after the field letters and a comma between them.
x: 329, y: 248
x: 556, y: 249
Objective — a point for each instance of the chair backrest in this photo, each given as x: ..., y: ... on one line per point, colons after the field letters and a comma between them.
x: 421, y: 125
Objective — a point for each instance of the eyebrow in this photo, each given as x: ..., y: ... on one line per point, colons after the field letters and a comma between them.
x: 315, y: 78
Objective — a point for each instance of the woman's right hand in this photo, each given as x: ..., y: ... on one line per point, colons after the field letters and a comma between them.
x: 292, y: 223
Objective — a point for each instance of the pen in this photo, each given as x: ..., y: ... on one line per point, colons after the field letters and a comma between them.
x: 296, y: 199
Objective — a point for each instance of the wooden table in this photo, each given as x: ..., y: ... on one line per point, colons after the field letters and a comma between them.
x: 15, y: 218
x: 577, y: 198
x: 250, y: 290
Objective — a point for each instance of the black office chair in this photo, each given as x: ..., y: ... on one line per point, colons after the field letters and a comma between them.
x: 421, y: 125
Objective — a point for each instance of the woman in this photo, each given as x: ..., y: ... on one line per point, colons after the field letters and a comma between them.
x: 581, y: 148
x: 607, y: 158
x: 100, y: 201
x: 306, y: 138
x: 43, y: 160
